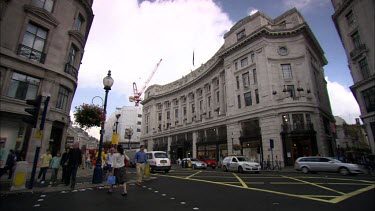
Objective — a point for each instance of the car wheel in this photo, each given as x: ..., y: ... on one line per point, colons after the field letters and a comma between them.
x: 344, y: 171
x: 305, y: 170
x: 213, y: 167
x: 240, y: 169
x: 166, y: 171
x: 225, y: 169
x: 152, y: 170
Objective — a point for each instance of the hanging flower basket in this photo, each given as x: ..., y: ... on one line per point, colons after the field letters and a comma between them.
x: 236, y: 147
x: 89, y: 115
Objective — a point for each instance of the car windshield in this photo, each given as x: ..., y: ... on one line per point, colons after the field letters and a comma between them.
x: 161, y: 155
x: 243, y: 159
x: 194, y: 159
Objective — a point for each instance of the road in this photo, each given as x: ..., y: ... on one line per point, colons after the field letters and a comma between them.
x: 214, y: 190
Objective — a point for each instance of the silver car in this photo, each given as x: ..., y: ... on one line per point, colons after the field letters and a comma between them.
x: 195, y: 163
x: 325, y: 164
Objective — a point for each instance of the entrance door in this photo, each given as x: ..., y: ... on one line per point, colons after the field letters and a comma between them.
x: 301, y: 148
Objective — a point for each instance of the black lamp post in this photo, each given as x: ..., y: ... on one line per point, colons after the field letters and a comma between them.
x: 129, y: 133
x: 98, y: 171
x: 117, y: 116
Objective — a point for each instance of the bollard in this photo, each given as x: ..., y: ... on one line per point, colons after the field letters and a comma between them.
x: 189, y: 164
x: 19, y: 176
x: 147, y: 170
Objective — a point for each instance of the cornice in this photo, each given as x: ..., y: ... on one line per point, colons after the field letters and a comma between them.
x: 78, y: 36
x: 41, y: 13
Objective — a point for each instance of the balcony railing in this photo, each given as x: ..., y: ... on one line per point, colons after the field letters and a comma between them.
x: 71, y: 70
x: 297, y: 127
x: 358, y: 50
x: 31, y: 53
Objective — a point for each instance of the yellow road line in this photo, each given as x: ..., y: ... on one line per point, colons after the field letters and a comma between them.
x: 255, y: 189
x: 241, y: 181
x: 333, y: 178
x: 346, y: 196
x: 318, y: 183
x: 320, y: 196
x: 253, y: 183
x: 313, y: 184
x: 193, y: 174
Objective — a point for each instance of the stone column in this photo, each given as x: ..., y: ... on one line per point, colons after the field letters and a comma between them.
x: 221, y: 89
x: 195, y: 137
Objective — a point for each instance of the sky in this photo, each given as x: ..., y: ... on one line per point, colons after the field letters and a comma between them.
x: 129, y: 37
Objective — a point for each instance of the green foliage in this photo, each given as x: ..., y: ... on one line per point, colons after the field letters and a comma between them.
x: 87, y: 116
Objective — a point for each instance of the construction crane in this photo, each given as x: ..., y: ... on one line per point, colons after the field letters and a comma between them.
x: 137, y: 94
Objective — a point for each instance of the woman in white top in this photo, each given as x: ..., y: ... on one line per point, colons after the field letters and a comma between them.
x: 118, y: 169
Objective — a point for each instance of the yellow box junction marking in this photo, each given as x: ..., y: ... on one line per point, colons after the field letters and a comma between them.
x: 193, y: 175
x: 313, y: 184
x: 241, y: 181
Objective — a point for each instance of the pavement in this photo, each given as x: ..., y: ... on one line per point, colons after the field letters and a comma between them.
x: 83, y: 180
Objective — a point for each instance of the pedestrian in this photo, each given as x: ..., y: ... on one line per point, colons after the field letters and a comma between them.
x: 65, y: 168
x: 88, y: 161
x: 10, y: 163
x: 109, y: 160
x: 179, y: 162
x: 45, y: 160
x: 2, y: 158
x: 55, y: 164
x: 119, y: 170
x: 140, y: 159
x: 83, y: 160
x: 75, y: 159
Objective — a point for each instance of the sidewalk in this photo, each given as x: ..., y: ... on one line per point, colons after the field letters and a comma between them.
x: 83, y: 180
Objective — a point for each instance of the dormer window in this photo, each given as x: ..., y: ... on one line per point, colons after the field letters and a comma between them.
x: 241, y: 34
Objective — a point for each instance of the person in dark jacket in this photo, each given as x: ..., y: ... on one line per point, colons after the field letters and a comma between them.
x: 65, y: 169
x: 75, y: 160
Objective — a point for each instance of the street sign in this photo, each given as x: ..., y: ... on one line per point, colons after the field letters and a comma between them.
x: 115, y: 138
x: 38, y: 135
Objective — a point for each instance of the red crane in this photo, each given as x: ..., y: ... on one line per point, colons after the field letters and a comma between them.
x: 137, y: 94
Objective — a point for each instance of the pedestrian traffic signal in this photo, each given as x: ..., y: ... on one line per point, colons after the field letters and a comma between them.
x: 34, y: 111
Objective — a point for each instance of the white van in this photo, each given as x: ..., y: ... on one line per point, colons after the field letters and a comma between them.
x: 158, y: 161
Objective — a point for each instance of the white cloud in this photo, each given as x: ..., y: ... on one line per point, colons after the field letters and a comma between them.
x: 130, y: 38
x: 343, y: 102
x: 305, y: 5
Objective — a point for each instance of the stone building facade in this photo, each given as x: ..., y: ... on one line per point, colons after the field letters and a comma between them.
x: 42, y: 45
x: 265, y: 82
x: 354, y: 21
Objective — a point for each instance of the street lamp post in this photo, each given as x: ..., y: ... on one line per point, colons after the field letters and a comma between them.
x: 117, y: 116
x: 129, y: 133
x: 98, y: 171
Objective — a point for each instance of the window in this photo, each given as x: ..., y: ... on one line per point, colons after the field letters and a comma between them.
x: 23, y: 87
x: 168, y: 104
x: 290, y: 89
x: 369, y: 98
x: 176, y: 102
x: 184, y: 111
x: 62, y: 99
x: 248, y: 101
x: 184, y: 99
x: 241, y: 34
x: 72, y: 55
x: 238, y: 82
x: 139, y: 122
x: 138, y: 130
x: 287, y: 71
x: 209, y: 101
x: 139, y: 115
x: 255, y: 76
x: 350, y: 18
x: 236, y: 65
x: 78, y: 22
x: 45, y: 4
x: 159, y: 116
x: 256, y: 96
x: 176, y: 114
x: 246, y: 80
x: 192, y: 108
x: 147, y: 118
x: 244, y: 62
x: 363, y: 66
x: 356, y: 39
x: 168, y: 115
x: 218, y: 96
x: 201, y: 105
x: 159, y: 106
x: 239, y: 101
x: 33, y: 43
x: 209, y: 88
x: 192, y: 96
x: 252, y: 56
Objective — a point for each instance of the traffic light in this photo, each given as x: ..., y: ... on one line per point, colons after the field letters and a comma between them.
x: 258, y: 149
x: 271, y: 143
x: 34, y: 111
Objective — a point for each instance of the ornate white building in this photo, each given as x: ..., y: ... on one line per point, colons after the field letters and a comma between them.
x: 265, y: 82
x: 354, y: 21
x: 42, y: 45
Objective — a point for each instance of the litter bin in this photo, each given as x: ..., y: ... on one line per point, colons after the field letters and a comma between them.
x: 19, y: 176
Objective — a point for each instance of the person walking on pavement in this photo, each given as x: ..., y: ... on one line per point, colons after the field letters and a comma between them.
x: 88, y: 161
x: 75, y: 160
x: 10, y: 163
x: 119, y: 170
x: 65, y: 169
x: 140, y: 159
x: 45, y: 160
x: 2, y: 158
x: 109, y: 161
x: 55, y: 164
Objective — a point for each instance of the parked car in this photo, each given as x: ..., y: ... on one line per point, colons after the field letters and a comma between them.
x: 195, y: 163
x: 158, y: 161
x: 210, y: 162
x: 325, y: 164
x: 241, y: 164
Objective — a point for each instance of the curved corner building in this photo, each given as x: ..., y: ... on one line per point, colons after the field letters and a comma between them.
x: 265, y: 82
x: 42, y: 45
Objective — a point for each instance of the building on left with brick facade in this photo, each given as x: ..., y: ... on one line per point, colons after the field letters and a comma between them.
x: 42, y: 45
